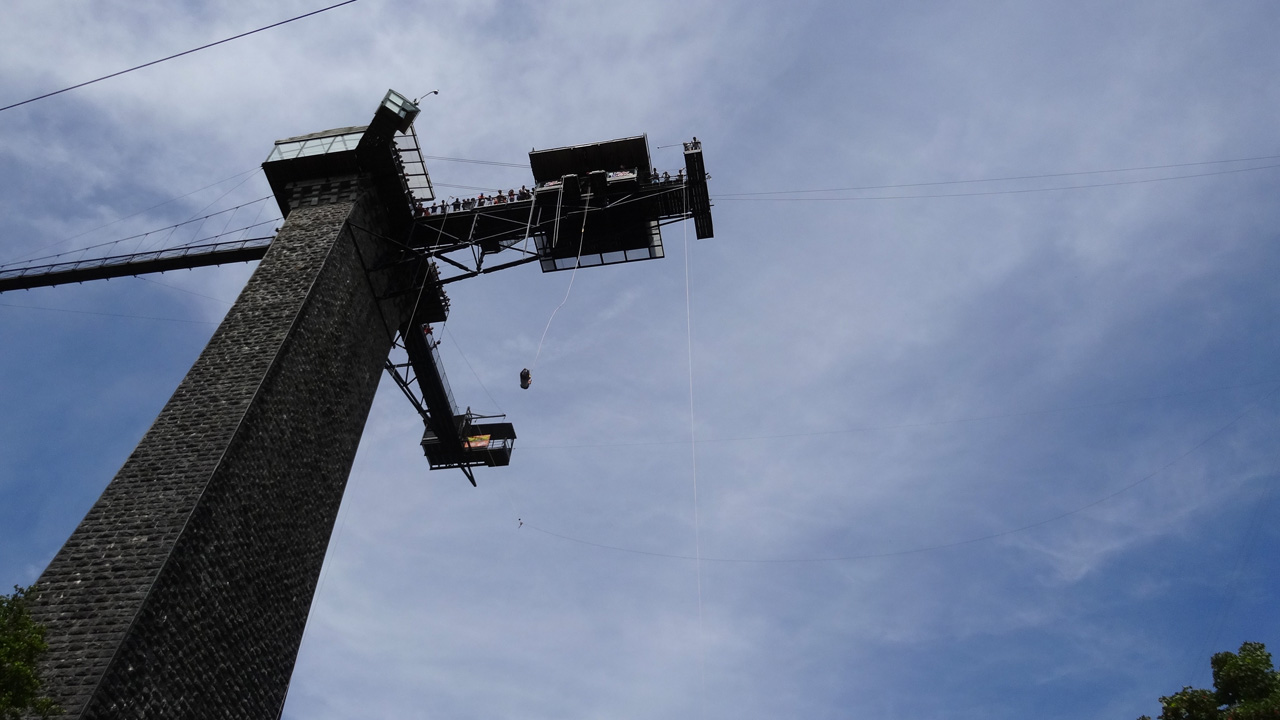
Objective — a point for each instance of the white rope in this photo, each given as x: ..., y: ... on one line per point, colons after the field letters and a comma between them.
x: 693, y: 449
x: 576, y: 261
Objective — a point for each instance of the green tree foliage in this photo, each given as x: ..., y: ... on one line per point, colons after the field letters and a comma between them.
x: 21, y: 645
x: 1246, y: 687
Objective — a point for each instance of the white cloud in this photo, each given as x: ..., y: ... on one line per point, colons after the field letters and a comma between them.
x: 907, y: 374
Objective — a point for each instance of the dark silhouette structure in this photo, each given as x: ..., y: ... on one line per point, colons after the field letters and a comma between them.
x: 185, y: 590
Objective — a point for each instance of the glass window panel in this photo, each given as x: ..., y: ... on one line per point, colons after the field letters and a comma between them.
x: 315, y: 147
x: 345, y: 142
x: 614, y: 257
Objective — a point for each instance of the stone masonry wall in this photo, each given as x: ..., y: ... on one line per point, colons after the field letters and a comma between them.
x: 185, y: 590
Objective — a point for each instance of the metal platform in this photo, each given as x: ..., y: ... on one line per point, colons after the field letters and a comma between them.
x: 595, y: 204
x: 604, y: 207
x: 451, y: 439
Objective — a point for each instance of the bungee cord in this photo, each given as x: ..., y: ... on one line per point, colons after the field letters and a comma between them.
x: 693, y: 458
x: 527, y: 373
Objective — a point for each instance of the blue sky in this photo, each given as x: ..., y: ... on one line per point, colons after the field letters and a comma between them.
x: 965, y: 450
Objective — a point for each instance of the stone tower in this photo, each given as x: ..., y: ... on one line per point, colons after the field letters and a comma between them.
x: 185, y: 590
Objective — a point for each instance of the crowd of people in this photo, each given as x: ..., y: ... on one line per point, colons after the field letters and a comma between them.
x: 460, y: 204
x: 457, y: 204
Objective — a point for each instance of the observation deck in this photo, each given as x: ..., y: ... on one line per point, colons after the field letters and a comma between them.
x: 453, y: 439
x: 596, y: 204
